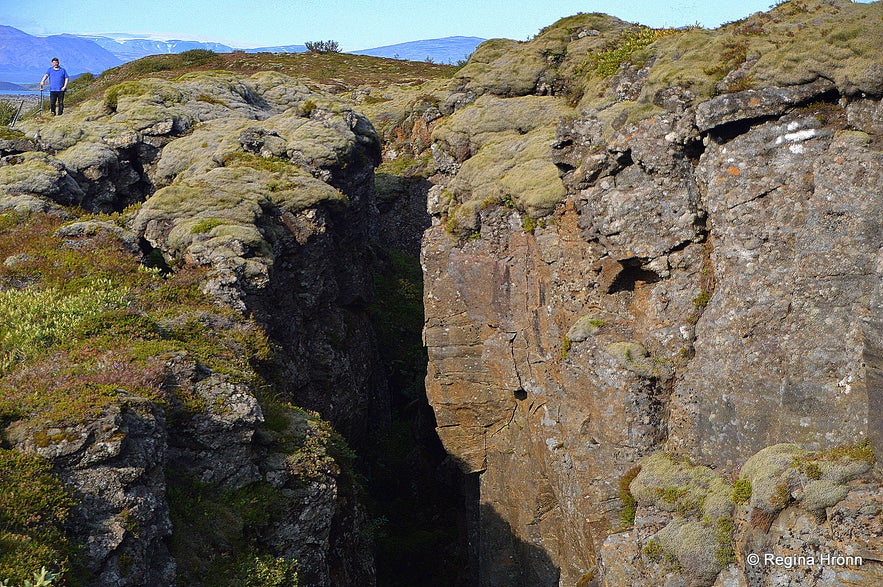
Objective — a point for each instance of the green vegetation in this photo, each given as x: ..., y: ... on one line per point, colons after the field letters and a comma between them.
x: 216, y: 539
x: 629, y: 503
x: 43, y: 578
x: 652, y: 550
x: 7, y: 112
x: 702, y: 299
x: 777, y: 472
x: 343, y: 70
x: 741, y: 490
x: 92, y: 328
x: 112, y: 94
x: 700, y: 537
x: 322, y: 47
x: 66, y: 326
x: 566, y: 345
x: 606, y: 62
x: 198, y: 57
x: 206, y: 225
x: 38, y: 319
x: 34, y: 507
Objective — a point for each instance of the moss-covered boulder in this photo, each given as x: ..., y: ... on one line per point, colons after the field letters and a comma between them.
x: 785, y: 473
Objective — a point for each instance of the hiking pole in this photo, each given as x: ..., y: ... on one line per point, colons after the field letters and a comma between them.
x: 41, y: 101
x: 17, y: 114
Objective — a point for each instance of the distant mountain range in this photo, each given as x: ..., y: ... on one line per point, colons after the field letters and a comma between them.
x: 24, y: 58
x: 131, y: 49
x: 446, y: 50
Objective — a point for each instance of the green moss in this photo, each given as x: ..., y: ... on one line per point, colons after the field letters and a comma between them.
x: 629, y: 503
x: 566, y: 345
x: 821, y: 494
x: 633, y: 357
x: 113, y: 93
x: 34, y: 508
x: 652, y: 550
x: 741, y: 490
x: 214, y: 542
x: 702, y: 299
x: 210, y: 100
x: 725, y: 552
x: 777, y: 471
x: 860, y: 451
x: 206, y: 225
x: 695, y: 546
x: 675, y: 485
x: 242, y: 159
x: 11, y: 134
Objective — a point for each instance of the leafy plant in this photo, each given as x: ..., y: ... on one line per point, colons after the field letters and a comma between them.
x: 35, y: 319
x: 43, y: 578
x: 606, y: 62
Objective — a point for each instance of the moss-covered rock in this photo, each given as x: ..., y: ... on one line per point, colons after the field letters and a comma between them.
x: 515, y: 167
x: 39, y: 174
x: 585, y: 327
x: 694, y: 545
x: 699, y: 536
x: 634, y: 357
x: 817, y: 480
x: 502, y: 67
x: 675, y: 485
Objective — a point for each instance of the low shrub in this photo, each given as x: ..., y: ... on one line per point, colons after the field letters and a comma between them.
x: 323, y: 46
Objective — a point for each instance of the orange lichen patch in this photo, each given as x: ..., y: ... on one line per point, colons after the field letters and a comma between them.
x: 734, y: 171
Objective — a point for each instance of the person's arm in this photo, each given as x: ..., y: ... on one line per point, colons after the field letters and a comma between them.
x: 43, y: 81
x: 64, y: 86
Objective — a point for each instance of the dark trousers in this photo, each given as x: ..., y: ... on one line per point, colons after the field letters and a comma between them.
x: 56, y: 98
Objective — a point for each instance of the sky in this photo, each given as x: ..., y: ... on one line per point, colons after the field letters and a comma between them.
x: 354, y: 24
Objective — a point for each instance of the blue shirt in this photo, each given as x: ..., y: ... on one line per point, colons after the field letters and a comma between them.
x: 56, y: 78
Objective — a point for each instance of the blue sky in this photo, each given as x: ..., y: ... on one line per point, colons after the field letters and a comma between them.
x: 355, y: 24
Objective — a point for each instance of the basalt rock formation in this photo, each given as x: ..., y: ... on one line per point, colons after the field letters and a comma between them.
x: 676, y: 252
x: 652, y: 292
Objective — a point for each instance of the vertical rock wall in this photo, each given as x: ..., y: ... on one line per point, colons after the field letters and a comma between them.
x: 708, y: 286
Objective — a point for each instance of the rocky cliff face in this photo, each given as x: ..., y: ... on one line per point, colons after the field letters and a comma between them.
x: 703, y: 280
x: 652, y: 309
x: 205, y: 468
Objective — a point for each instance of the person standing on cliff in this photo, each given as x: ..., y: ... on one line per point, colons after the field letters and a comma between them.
x: 58, y: 80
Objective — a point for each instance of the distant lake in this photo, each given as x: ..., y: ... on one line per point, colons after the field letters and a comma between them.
x: 21, y: 92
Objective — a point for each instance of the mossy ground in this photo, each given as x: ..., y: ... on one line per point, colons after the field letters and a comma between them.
x: 338, y: 71
x: 94, y: 326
